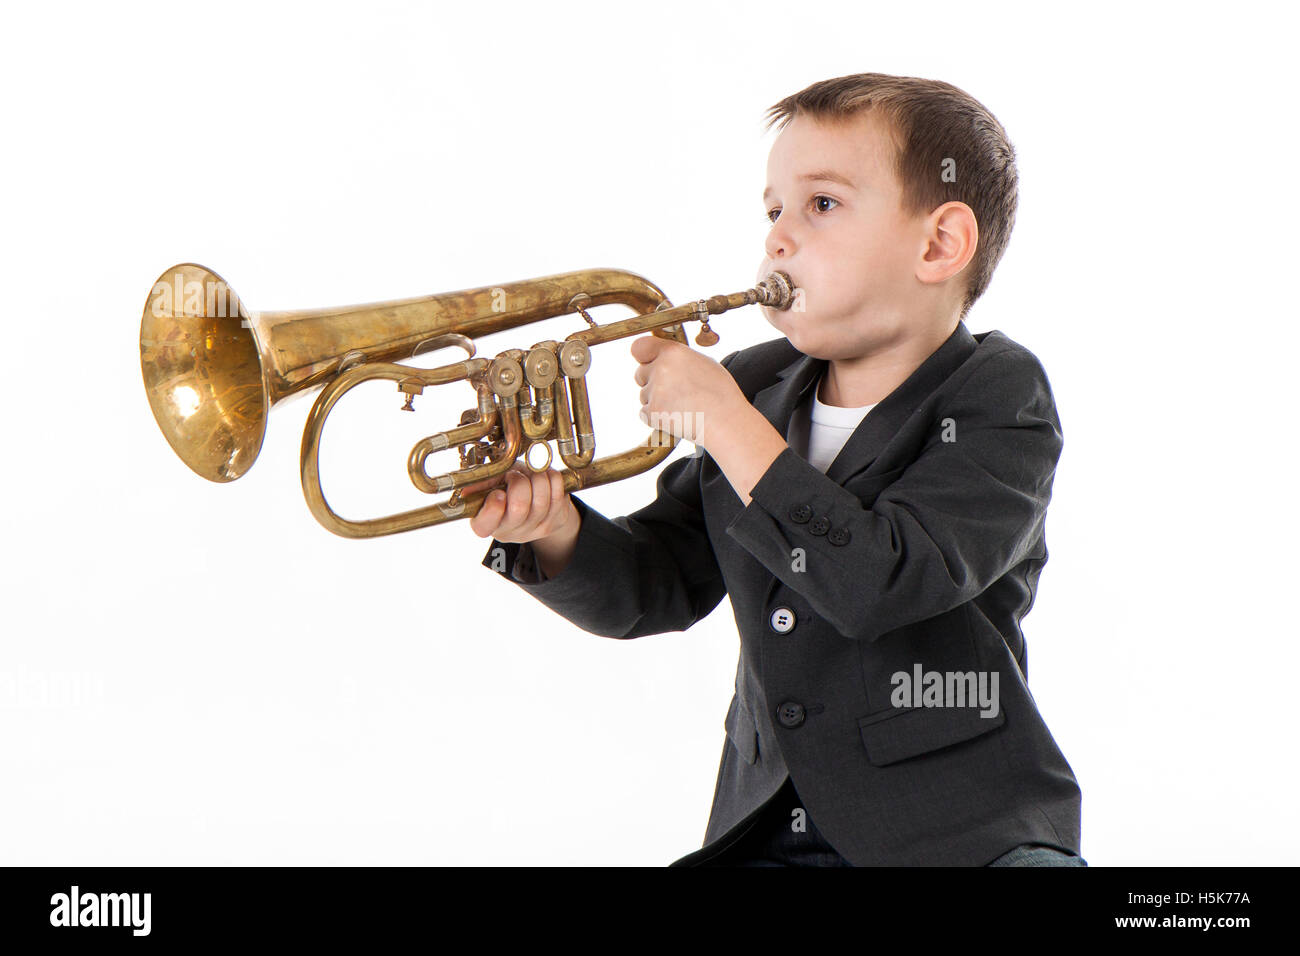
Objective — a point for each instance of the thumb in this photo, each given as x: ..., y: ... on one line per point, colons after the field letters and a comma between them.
x: 646, y: 347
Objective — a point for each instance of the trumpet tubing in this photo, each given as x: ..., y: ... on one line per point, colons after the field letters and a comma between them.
x: 213, y: 370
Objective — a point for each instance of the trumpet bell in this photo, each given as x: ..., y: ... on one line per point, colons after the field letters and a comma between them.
x: 203, y: 373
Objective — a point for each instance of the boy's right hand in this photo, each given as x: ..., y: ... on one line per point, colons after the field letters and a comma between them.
x: 533, y: 505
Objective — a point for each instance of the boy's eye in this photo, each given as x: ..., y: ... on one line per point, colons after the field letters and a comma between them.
x: 772, y: 214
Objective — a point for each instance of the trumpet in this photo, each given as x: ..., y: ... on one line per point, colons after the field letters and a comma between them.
x: 213, y: 370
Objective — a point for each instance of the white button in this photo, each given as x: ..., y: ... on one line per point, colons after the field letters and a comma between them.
x: 783, y: 620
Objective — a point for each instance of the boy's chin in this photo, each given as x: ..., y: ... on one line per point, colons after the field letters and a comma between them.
x: 788, y: 322
x: 800, y: 329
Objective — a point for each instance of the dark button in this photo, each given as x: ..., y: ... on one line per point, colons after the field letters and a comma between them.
x: 801, y: 514
x: 790, y: 714
x: 820, y: 525
x: 838, y: 536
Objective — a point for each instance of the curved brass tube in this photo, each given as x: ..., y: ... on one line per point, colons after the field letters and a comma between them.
x: 440, y: 441
x: 212, y: 371
x: 310, y: 456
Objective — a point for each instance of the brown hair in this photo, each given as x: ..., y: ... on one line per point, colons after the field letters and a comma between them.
x: 931, y: 121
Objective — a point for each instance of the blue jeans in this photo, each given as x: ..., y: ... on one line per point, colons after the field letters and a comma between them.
x: 773, y: 840
x: 1035, y: 854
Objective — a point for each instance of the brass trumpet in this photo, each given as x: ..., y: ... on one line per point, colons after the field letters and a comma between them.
x: 213, y: 370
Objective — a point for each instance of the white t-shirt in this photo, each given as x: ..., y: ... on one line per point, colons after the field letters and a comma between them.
x: 819, y: 436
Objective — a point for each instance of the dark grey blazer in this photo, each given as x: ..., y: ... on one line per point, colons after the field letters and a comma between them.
x: 918, y: 551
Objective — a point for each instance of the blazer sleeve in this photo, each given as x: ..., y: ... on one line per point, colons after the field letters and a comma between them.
x: 650, y: 572
x: 950, y: 523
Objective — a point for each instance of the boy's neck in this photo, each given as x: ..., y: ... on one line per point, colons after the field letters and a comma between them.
x: 867, y: 379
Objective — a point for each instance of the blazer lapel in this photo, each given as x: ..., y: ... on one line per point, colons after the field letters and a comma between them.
x: 778, y: 401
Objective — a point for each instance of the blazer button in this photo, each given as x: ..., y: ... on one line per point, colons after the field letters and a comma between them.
x: 801, y: 514
x: 790, y: 714
x: 838, y: 536
x: 782, y: 620
x: 820, y: 525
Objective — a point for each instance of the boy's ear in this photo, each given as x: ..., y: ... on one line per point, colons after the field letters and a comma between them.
x: 950, y: 240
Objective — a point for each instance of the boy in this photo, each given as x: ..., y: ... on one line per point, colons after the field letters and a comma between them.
x: 872, y: 497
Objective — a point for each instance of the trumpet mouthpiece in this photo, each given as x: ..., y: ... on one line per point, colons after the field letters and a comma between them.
x: 776, y: 291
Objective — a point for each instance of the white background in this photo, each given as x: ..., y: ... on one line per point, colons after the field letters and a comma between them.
x: 195, y: 673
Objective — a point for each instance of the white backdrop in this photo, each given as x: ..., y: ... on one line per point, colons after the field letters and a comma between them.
x: 195, y: 673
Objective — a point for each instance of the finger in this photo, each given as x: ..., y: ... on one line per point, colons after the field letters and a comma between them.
x: 541, y: 504
x: 519, y: 501
x: 642, y: 375
x: 526, y: 489
x: 559, y: 501
x: 487, y: 520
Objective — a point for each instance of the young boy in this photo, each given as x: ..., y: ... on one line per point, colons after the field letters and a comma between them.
x: 871, y: 495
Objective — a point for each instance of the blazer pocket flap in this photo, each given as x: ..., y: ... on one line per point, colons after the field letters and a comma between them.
x: 903, y: 732
x: 741, y: 730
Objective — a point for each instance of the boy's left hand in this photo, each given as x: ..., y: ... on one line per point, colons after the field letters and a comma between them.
x: 683, y: 391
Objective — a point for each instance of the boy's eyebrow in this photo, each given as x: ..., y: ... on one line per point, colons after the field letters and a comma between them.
x: 820, y: 175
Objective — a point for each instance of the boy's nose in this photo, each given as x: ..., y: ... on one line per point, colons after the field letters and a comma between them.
x: 778, y: 243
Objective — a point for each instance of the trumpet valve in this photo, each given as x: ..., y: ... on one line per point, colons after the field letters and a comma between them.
x: 506, y: 376
x: 575, y: 358
x: 541, y: 367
